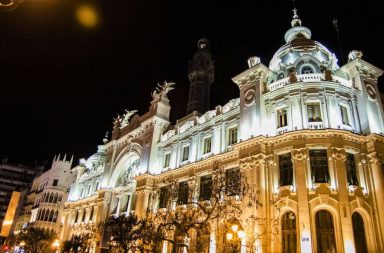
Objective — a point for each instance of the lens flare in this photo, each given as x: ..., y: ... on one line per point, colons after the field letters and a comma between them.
x: 87, y: 16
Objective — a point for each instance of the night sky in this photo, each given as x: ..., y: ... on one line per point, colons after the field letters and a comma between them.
x: 62, y: 82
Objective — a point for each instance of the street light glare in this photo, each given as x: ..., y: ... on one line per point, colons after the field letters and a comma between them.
x: 87, y: 16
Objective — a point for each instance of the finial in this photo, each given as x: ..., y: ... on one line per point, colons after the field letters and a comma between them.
x: 105, y: 139
x: 296, y: 21
x: 65, y: 157
x: 71, y: 159
x: 295, y: 15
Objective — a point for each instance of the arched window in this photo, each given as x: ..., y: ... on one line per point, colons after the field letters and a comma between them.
x: 42, y: 215
x: 307, y: 69
x: 38, y: 215
x: 55, y: 198
x: 55, y: 216
x: 50, y: 198
x: 288, y: 233
x: 46, y: 197
x: 50, y: 218
x: 46, y: 216
x: 359, y: 233
x: 325, y: 232
x: 280, y: 76
x: 91, y: 215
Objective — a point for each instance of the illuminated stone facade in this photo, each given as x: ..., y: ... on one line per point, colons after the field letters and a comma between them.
x: 306, y: 133
x: 44, y: 205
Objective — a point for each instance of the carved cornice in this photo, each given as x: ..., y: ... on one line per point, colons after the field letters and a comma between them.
x: 253, y: 161
x: 299, y: 154
x: 338, y: 154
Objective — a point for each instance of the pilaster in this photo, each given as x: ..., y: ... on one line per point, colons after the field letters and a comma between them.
x: 299, y: 157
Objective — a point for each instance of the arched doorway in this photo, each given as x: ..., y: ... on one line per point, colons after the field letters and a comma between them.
x: 359, y: 233
x: 288, y: 233
x: 325, y: 232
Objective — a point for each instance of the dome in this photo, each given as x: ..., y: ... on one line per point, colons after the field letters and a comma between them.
x: 301, y: 53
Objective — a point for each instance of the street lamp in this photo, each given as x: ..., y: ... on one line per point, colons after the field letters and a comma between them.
x: 235, y: 234
x: 56, y: 245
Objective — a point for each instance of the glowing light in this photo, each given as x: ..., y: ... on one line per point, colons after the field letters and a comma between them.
x: 229, y: 236
x: 235, y: 227
x: 87, y: 16
x: 241, y: 234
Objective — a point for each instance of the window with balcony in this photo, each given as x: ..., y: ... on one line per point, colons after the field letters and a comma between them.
x: 314, y: 112
x: 319, y: 165
x: 351, y: 169
x: 232, y: 135
x: 285, y: 169
x: 233, y: 182
x: 185, y: 155
x: 183, y: 192
x: 344, y: 115
x: 207, y: 145
x: 167, y: 160
x: 164, y: 196
x: 282, y: 119
x: 206, y: 186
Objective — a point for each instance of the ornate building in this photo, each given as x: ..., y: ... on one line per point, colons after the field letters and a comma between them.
x: 305, y: 135
x: 44, y: 204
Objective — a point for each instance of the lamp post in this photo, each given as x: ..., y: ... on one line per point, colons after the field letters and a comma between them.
x: 56, y: 245
x: 234, y: 236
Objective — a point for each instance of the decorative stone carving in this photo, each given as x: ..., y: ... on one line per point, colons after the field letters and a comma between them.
x: 338, y: 154
x: 373, y: 159
x: 299, y: 154
x: 252, y: 161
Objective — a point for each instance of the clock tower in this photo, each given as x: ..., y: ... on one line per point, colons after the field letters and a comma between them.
x: 201, y: 76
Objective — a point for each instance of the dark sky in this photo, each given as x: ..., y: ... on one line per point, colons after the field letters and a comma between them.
x: 62, y: 83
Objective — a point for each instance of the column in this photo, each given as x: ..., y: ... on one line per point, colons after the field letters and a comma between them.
x: 338, y: 158
x: 377, y: 191
x: 299, y: 160
x: 142, y: 200
x: 253, y: 170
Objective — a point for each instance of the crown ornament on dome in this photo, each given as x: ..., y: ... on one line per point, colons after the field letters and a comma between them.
x: 297, y: 29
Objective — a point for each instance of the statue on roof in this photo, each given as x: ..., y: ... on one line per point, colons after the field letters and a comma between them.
x: 126, y: 117
x: 161, y: 91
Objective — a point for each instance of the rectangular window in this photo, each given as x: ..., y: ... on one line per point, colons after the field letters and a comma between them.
x: 97, y: 185
x: 55, y: 182
x: 232, y: 135
x: 183, y: 192
x: 285, y: 169
x: 282, y: 119
x: 164, y: 195
x: 314, y: 112
x: 205, y: 187
x: 167, y: 159
x: 185, y: 153
x: 207, y: 145
x: 82, y: 192
x: 233, y: 182
x: 351, y: 169
x: 319, y: 165
x: 344, y: 115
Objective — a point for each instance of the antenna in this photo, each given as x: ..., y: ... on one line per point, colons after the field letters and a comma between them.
x: 335, y: 23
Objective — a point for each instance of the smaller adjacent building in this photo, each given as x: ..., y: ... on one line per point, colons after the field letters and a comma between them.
x: 13, y: 182
x: 43, y: 206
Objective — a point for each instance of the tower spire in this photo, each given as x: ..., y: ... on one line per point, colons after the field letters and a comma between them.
x: 201, y: 76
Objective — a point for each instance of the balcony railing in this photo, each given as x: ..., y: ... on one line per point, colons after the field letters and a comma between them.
x: 305, y: 78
